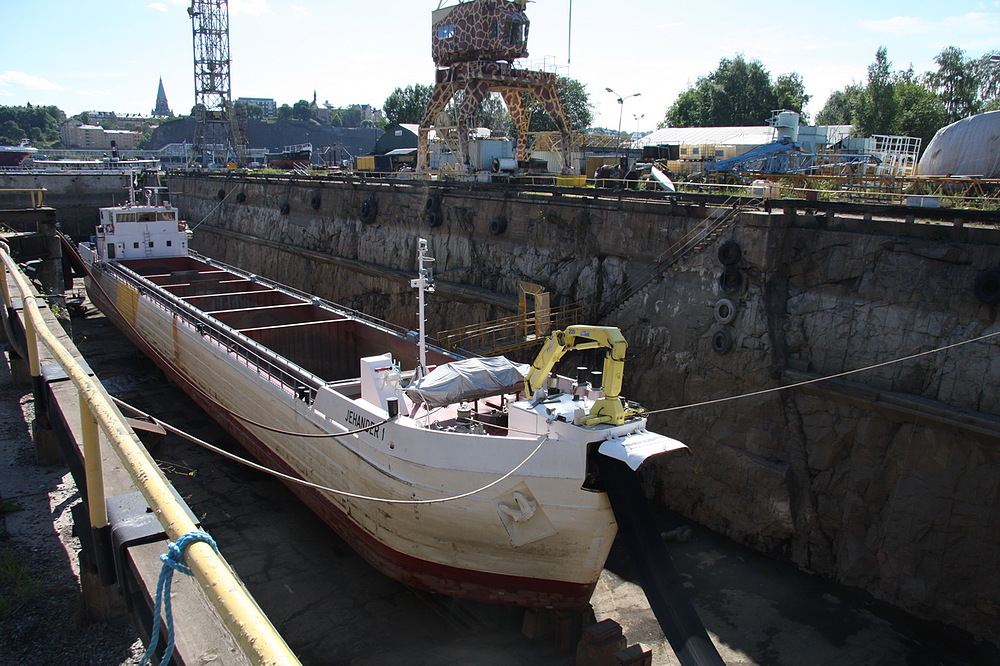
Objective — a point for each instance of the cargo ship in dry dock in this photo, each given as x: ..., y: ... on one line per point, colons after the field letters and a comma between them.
x: 473, y: 477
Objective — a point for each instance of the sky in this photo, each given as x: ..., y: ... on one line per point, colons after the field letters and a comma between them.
x: 110, y: 55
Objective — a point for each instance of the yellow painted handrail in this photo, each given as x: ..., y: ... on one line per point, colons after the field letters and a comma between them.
x: 239, y: 612
x: 36, y: 193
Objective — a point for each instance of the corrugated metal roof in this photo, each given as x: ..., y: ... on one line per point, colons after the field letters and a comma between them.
x: 732, y: 136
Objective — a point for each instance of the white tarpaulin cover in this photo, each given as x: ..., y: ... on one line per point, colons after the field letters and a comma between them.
x: 970, y: 147
x: 466, y: 380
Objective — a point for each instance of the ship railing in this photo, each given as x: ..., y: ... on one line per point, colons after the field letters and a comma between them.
x: 276, y: 369
x: 36, y: 194
x: 254, y: 633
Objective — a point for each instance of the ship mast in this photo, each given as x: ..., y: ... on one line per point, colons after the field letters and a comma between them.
x: 424, y: 283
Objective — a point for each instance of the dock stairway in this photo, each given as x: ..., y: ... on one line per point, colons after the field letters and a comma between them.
x: 706, y: 233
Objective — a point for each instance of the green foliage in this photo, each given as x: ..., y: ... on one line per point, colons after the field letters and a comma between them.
x: 303, y: 110
x: 790, y: 91
x: 738, y: 93
x: 407, y: 105
x: 575, y: 102
x: 39, y: 124
x: 919, y: 112
x: 838, y: 107
x: 875, y: 112
x: 956, y: 83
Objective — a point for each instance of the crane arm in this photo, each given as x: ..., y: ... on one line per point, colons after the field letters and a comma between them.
x: 608, y: 409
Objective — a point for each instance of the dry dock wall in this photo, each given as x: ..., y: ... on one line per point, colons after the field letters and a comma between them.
x: 886, y: 479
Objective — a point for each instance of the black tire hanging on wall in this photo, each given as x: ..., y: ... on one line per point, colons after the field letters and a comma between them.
x: 433, y: 202
x: 286, y: 208
x: 722, y: 341
x: 725, y: 311
x: 241, y: 197
x: 498, y: 225
x: 221, y: 194
x: 987, y: 286
x: 369, y: 209
x: 730, y: 253
x: 731, y: 280
x: 433, y: 218
x: 316, y: 202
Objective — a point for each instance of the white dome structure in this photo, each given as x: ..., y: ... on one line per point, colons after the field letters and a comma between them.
x: 969, y: 147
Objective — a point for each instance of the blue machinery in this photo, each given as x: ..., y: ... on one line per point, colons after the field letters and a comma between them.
x: 785, y: 157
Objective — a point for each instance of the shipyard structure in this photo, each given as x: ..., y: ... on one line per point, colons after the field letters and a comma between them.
x: 884, y: 479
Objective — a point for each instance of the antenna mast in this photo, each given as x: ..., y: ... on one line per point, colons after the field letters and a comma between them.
x: 217, y: 130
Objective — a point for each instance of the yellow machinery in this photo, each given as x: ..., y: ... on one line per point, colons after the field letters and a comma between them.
x: 608, y: 409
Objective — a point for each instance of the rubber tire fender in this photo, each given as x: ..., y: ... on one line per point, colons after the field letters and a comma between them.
x: 722, y: 341
x: 433, y: 202
x: 285, y: 209
x: 730, y: 253
x: 241, y: 197
x: 731, y: 280
x: 725, y: 311
x: 369, y: 209
x: 316, y: 202
x: 433, y: 218
x: 986, y: 286
x: 498, y: 225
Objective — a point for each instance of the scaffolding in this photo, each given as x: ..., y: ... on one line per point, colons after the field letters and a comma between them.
x: 897, y: 155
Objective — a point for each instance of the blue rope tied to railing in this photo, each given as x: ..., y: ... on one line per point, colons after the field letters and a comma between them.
x: 172, y: 560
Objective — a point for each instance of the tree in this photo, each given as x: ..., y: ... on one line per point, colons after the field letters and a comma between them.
x: 791, y: 95
x: 493, y: 114
x: 575, y: 102
x: 737, y: 93
x: 839, y: 107
x: 39, y: 123
x: 919, y: 112
x: 407, y: 105
x: 303, y: 110
x: 875, y: 112
x: 352, y: 116
x: 956, y: 82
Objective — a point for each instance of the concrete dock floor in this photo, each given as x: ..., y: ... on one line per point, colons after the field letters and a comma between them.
x: 332, y: 608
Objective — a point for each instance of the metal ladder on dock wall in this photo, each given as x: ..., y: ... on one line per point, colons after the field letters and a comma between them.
x: 697, y: 239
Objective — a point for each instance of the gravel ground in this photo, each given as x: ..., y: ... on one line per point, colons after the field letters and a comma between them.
x: 42, y: 620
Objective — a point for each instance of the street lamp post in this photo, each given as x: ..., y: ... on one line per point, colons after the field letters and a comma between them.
x: 621, y: 108
x: 638, y: 117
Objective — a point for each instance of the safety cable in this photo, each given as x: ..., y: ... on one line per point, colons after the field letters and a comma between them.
x: 316, y: 486
x: 825, y: 378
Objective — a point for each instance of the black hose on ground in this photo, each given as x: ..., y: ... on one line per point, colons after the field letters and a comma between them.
x: 663, y: 586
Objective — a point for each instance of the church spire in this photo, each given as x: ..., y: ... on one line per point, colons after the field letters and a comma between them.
x: 162, y: 108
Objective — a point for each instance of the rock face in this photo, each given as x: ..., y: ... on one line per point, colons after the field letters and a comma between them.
x: 885, y: 479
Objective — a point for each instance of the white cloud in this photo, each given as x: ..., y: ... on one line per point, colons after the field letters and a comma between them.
x: 159, y: 6
x: 28, y: 81
x: 298, y: 11
x: 973, y: 22
x: 250, y: 7
x: 900, y: 25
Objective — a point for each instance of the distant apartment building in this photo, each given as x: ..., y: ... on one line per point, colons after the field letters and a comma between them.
x: 75, y: 134
x: 269, y: 105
